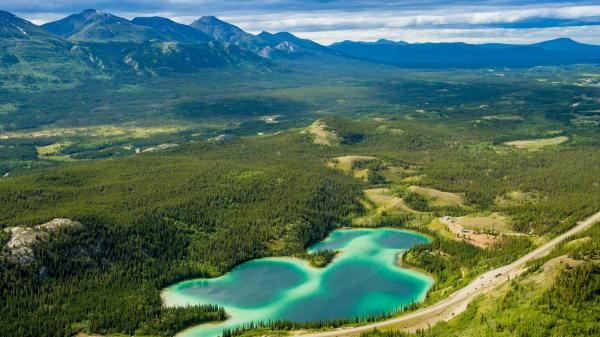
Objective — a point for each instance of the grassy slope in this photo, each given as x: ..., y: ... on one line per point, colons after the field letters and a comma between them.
x: 549, y: 300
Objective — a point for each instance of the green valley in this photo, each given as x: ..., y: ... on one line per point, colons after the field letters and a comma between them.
x: 162, y: 179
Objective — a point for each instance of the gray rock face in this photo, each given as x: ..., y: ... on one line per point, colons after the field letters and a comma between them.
x: 23, y: 239
x: 222, y: 138
x: 161, y: 147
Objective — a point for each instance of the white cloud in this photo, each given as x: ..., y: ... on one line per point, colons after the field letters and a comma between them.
x: 412, y: 23
x: 464, y: 16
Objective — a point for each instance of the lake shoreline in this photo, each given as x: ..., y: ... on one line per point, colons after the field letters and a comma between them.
x: 371, y: 254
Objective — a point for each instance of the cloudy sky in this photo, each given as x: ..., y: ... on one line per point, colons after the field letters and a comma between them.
x: 327, y: 21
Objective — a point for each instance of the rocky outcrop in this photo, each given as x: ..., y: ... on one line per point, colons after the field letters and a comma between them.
x: 161, y: 147
x: 22, y: 239
x: 222, y: 138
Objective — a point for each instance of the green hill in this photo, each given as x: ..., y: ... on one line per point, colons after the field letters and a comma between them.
x: 32, y: 58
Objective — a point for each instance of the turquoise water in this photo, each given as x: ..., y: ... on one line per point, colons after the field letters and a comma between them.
x: 362, y: 280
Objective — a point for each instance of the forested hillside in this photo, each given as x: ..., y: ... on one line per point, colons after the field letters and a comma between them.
x: 199, y: 210
x: 155, y: 219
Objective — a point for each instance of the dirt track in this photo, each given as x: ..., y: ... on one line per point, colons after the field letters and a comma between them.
x: 458, y: 301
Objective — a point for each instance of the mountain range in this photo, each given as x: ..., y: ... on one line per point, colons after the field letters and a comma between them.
x: 92, y: 42
x: 94, y: 26
x: 462, y: 55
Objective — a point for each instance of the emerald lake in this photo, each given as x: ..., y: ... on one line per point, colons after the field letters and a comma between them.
x: 363, y: 279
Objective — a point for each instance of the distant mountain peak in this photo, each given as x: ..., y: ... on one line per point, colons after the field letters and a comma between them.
x: 563, y: 40
x: 6, y: 14
x: 152, y: 18
x: 286, y: 35
x: 211, y: 18
x: 12, y: 26
x: 171, y: 30
x: 562, y: 43
x: 94, y: 14
x: 214, y: 21
x: 89, y: 11
x: 92, y: 25
x: 219, y: 30
x: 289, y: 44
